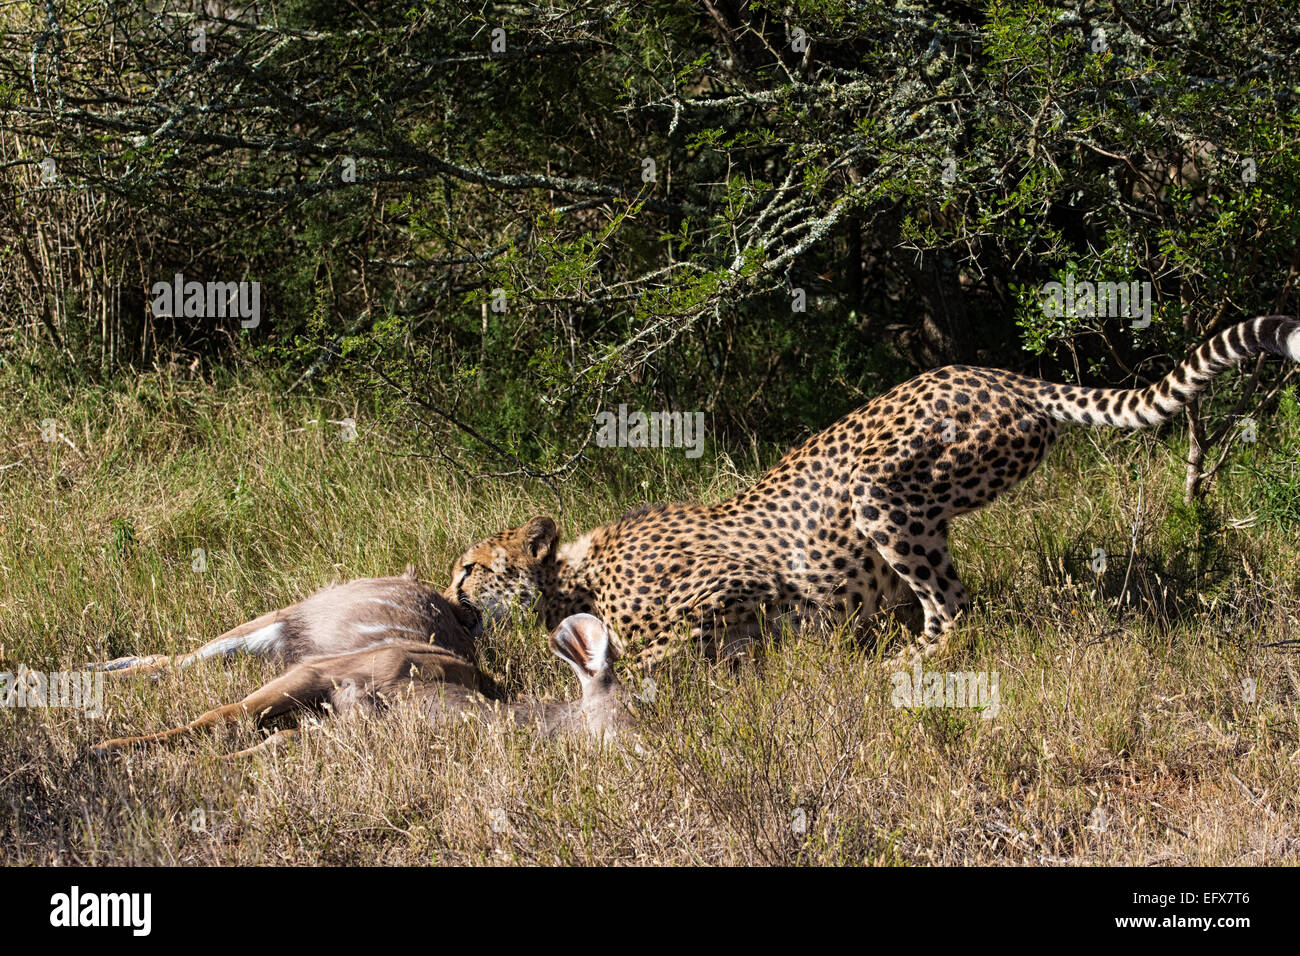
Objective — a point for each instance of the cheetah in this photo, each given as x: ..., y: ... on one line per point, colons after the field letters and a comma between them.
x: 846, y: 524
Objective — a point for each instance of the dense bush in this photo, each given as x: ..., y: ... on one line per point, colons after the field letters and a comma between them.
x: 912, y: 174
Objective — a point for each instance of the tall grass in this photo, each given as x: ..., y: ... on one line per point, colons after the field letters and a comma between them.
x: 1125, y: 734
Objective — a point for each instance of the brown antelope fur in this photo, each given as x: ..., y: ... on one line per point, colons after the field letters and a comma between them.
x: 344, y: 617
x: 441, y: 682
x: 846, y: 523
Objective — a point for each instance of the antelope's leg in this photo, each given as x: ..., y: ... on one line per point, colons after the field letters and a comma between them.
x: 299, y: 687
x: 263, y: 636
x: 274, y: 741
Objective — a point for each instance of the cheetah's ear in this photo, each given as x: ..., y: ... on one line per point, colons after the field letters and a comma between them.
x: 540, y: 536
x: 582, y: 641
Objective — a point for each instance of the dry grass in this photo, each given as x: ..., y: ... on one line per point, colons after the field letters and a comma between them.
x: 1121, y: 691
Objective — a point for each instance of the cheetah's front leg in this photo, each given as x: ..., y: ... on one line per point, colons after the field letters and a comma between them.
x: 730, y: 643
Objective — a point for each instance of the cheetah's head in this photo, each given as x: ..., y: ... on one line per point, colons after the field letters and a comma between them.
x: 507, y: 570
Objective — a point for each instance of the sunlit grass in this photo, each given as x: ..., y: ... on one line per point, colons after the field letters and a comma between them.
x: 1124, y: 691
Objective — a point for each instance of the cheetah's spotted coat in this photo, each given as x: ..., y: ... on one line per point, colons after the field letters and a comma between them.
x: 841, y: 522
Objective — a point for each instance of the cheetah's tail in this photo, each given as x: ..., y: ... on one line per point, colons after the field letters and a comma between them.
x: 1139, y: 407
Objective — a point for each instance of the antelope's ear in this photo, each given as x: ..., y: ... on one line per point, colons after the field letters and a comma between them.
x: 539, y: 536
x: 583, y: 642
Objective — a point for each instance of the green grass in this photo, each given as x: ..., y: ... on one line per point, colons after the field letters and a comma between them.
x: 1122, y: 690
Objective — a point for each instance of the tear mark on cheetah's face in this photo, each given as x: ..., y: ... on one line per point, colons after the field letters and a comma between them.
x: 507, y: 570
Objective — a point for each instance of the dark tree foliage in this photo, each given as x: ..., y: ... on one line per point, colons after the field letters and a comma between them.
x: 503, y: 219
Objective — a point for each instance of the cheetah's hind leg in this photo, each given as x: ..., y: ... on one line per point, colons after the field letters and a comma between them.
x: 916, y: 549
